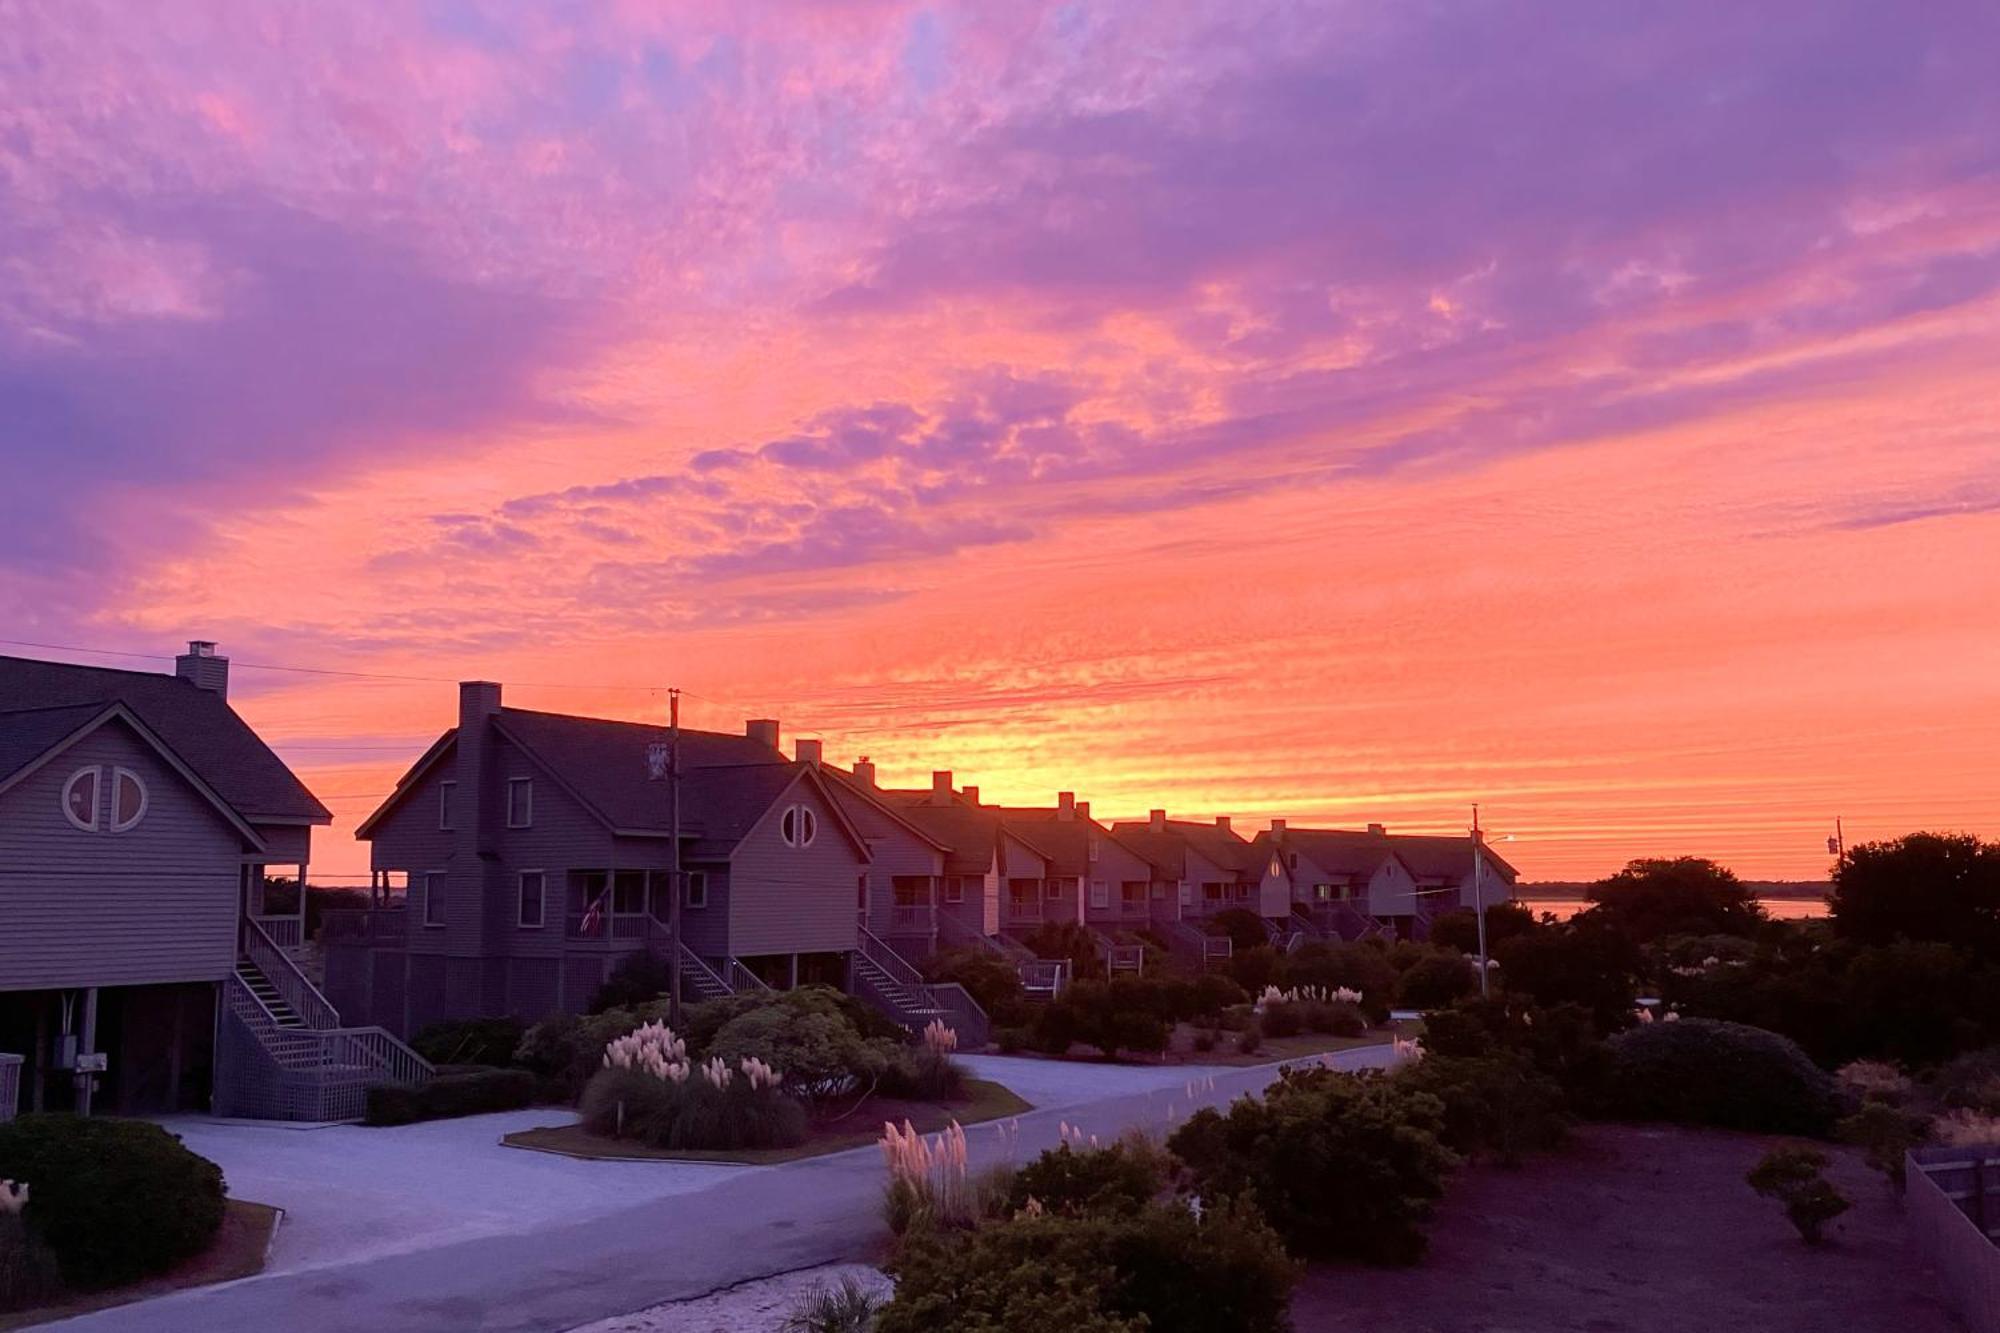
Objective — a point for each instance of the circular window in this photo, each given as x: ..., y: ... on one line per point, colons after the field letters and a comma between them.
x: 79, y: 798
x: 798, y: 826
x: 808, y: 827
x: 128, y: 800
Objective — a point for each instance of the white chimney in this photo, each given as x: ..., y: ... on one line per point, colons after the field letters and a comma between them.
x: 763, y: 730
x: 200, y: 667
x: 864, y: 771
x: 806, y: 752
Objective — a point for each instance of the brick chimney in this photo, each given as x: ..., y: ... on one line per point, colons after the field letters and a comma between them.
x: 200, y: 667
x: 807, y: 752
x: 1157, y: 820
x: 1277, y: 828
x: 763, y: 730
x: 1083, y: 809
x: 864, y: 771
x: 1065, y: 805
x: 1378, y: 830
x: 941, y: 787
x: 971, y: 795
x: 1222, y: 822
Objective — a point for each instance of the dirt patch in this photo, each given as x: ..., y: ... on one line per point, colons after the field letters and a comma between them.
x: 1635, y: 1229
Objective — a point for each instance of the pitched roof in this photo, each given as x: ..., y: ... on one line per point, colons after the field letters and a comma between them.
x: 969, y: 833
x: 1064, y: 843
x: 854, y: 794
x: 198, y: 725
x: 1165, y: 849
x: 1357, y: 852
x: 728, y: 782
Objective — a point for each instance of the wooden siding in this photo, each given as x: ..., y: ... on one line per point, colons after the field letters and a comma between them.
x: 158, y: 903
x: 1115, y: 865
x: 793, y: 899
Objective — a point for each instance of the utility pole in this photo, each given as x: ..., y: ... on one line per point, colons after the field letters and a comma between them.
x: 674, y: 874
x: 1479, y: 901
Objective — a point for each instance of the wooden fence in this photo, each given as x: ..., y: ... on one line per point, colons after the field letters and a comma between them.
x: 1954, y: 1211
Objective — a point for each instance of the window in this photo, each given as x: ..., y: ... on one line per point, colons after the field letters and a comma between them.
x: 954, y: 889
x: 79, y: 798
x: 799, y: 826
x: 1100, y: 896
x: 520, y: 802
x: 1277, y: 866
x: 861, y: 893
x: 1093, y: 846
x: 128, y: 800
x: 1055, y: 888
x: 1294, y: 859
x: 697, y: 890
x: 628, y: 893
x: 434, y: 882
x: 534, y: 885
x: 446, y: 791
x: 1159, y: 891
x: 1187, y: 894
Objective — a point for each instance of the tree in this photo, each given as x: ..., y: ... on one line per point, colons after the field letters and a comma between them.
x: 1943, y: 887
x: 1582, y: 962
x: 1459, y: 928
x: 1687, y: 895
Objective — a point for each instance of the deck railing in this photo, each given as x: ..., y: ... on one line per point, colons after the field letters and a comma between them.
x: 913, y: 917
x: 287, y: 932
x: 741, y: 978
x: 279, y: 969
x: 10, y: 1085
x: 374, y: 925
x: 1025, y: 910
x: 267, y: 1070
x: 1044, y: 976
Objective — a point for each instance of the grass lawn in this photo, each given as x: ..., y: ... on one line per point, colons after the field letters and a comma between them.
x: 239, y: 1250
x: 1280, y: 1048
x: 855, y: 1129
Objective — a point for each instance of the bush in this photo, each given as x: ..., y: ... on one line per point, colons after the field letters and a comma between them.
x: 819, y: 1051
x: 1342, y: 1165
x: 474, y: 1092
x: 1686, y: 895
x: 564, y: 1050
x: 1459, y: 929
x: 1009, y: 1041
x: 1972, y: 1081
x: 1875, y: 1081
x: 28, y: 1271
x: 1065, y: 1179
x: 1496, y: 1104
x: 1120, y: 1015
x: 1359, y: 967
x: 1702, y: 1072
x: 993, y: 983
x: 1792, y: 1176
x: 470, y: 1041
x: 1203, y: 1041
x: 1244, y: 928
x: 1250, y: 1041
x: 1927, y: 886
x: 1158, y: 1267
x: 637, y: 978
x: 1071, y: 942
x: 691, y: 1113
x: 1282, y: 1018
x: 1255, y: 967
x: 1436, y: 980
x: 921, y: 1074
x: 1054, y: 1030
x: 1560, y: 1041
x: 1581, y: 963
x: 1213, y: 993
x: 1885, y: 1133
x: 113, y: 1200
x: 844, y: 1308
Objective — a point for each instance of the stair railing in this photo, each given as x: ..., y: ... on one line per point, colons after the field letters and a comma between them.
x: 743, y: 979
x: 878, y: 952
x: 313, y: 1008
x: 692, y: 961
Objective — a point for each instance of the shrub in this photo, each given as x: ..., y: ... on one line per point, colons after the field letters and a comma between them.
x: 1358, y: 967
x: 1213, y: 992
x: 1875, y: 1081
x: 28, y: 1272
x: 1055, y: 1028
x: 565, y: 1050
x: 474, y: 1092
x: 1703, y: 1072
x: 701, y: 1109
x: 1255, y: 967
x: 1244, y: 928
x: 1459, y: 929
x: 1971, y: 1081
x: 1158, y: 1267
x: 1582, y: 963
x: 1069, y: 1179
x: 470, y: 1041
x: 1927, y: 886
x: 637, y: 978
x: 1885, y: 1133
x: 1070, y: 941
x: 1792, y: 1176
x: 1686, y: 895
x: 1282, y: 1018
x: 113, y: 1200
x: 1203, y: 1041
x: 1012, y: 1040
x: 925, y: 1072
x: 847, y: 1307
x: 1496, y: 1104
x: 992, y: 982
x: 1966, y: 1129
x: 1250, y: 1041
x: 1560, y: 1041
x: 1303, y: 1150
x: 819, y: 1051
x: 1436, y: 980
x: 1121, y: 1015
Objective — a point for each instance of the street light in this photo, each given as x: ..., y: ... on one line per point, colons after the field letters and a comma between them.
x: 1479, y: 900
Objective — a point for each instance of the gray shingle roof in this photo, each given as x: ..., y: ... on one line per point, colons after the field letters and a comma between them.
x: 970, y: 832
x: 197, y: 724
x: 1357, y: 852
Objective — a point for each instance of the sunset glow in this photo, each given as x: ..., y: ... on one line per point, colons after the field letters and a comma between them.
x: 1342, y: 413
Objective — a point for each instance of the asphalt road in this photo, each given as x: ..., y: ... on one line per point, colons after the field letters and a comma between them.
x: 755, y: 1223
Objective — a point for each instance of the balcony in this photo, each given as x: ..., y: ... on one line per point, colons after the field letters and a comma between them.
x: 912, y: 919
x: 364, y: 925
x: 1025, y: 911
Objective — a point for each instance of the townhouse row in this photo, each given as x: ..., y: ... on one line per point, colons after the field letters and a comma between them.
x: 155, y: 955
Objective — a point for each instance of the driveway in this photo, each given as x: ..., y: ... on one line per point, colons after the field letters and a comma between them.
x: 514, y: 1250
x: 352, y: 1193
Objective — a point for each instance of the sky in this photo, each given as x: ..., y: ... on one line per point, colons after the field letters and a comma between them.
x: 1342, y: 412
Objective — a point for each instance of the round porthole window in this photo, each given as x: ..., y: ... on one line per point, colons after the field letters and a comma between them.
x: 128, y: 799
x: 79, y: 798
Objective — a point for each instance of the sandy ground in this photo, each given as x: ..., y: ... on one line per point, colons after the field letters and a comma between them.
x: 754, y: 1307
x: 1639, y: 1230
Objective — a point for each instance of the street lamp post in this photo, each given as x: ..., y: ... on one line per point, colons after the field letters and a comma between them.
x: 1479, y: 903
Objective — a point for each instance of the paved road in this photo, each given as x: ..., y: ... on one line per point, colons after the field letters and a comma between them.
x: 555, y: 1275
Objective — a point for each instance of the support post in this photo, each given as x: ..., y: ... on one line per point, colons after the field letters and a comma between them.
x: 1479, y: 904
x: 674, y: 886
x: 86, y: 1084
